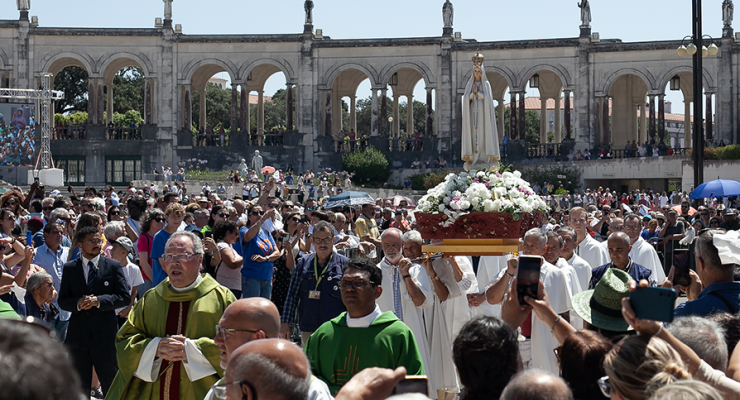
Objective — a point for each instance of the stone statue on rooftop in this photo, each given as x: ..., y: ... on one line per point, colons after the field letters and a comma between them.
x: 23, y: 5
x: 167, y: 9
x: 308, y: 5
x: 727, y: 12
x: 585, y: 13
x: 447, y: 14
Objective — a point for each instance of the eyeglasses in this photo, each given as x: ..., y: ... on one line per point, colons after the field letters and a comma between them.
x: 255, y: 213
x: 295, y: 219
x: 223, y: 215
x: 605, y: 386
x: 11, y: 218
x: 219, y: 391
x: 222, y: 332
x: 115, y: 213
x: 322, y: 240
x: 48, y: 208
x: 557, y: 351
x: 160, y: 219
x: 273, y: 205
x: 345, y: 285
x: 48, y: 284
x: 94, y: 242
x: 311, y: 208
x: 182, y: 257
x: 632, y: 227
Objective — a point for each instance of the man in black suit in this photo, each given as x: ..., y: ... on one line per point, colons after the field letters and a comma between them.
x: 92, y: 288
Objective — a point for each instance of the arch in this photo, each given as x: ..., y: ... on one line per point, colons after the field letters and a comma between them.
x: 560, y: 71
x: 665, y: 77
x: 283, y: 65
x: 426, y: 74
x: 607, y: 83
x: 331, y: 75
x: 116, y: 61
x: 53, y: 63
x: 207, y: 66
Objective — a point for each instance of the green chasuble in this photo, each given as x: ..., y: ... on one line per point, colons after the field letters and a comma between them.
x: 148, y: 319
x: 338, y: 352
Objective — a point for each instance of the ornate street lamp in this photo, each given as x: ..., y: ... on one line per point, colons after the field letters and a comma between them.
x: 676, y: 83
x: 534, y: 81
x: 394, y: 80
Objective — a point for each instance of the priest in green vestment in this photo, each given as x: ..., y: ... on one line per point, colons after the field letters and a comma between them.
x: 165, y: 349
x: 361, y: 337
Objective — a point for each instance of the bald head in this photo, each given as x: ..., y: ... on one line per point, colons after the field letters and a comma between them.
x: 536, y: 384
x: 281, y: 366
x: 261, y: 313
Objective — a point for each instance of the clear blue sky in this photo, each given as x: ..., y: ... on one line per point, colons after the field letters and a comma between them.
x: 484, y: 20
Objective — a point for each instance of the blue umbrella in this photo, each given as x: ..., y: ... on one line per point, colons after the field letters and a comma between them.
x: 718, y: 188
x: 350, y: 198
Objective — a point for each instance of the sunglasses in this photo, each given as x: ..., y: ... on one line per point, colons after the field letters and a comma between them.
x: 223, y: 215
x: 257, y: 213
x: 311, y: 208
x: 272, y: 205
x: 115, y: 213
x: 48, y: 208
x: 160, y: 219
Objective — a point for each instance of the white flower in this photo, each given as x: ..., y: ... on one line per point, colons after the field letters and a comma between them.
x: 441, y: 207
x: 489, y: 206
x: 464, y: 204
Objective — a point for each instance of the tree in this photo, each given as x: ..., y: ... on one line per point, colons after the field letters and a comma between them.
x: 365, y: 109
x: 73, y: 82
x: 218, y: 107
x: 128, y: 90
x: 531, y: 124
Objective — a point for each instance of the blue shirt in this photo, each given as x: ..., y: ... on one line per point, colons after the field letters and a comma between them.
x: 160, y: 239
x: 39, y: 240
x: 707, y: 304
x: 261, y: 244
x: 636, y: 271
x: 53, y: 264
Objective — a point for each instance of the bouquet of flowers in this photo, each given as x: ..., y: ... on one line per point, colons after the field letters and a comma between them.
x: 481, y: 191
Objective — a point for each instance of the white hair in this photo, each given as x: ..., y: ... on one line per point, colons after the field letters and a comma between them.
x: 539, y: 234
x: 413, y: 236
x: 114, y: 229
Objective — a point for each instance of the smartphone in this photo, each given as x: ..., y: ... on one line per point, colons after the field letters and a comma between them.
x: 208, y: 234
x: 653, y: 303
x: 304, y: 219
x: 36, y: 179
x: 412, y: 384
x: 681, y: 267
x: 528, y: 277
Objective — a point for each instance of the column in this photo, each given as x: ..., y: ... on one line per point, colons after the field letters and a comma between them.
x: 353, y: 114
x: 600, y: 101
x: 500, y: 120
x: 91, y: 103
x: 396, y: 117
x: 607, y: 127
x: 687, y: 126
x: 289, y: 106
x: 514, y: 135
x: 383, y: 128
x: 543, y: 120
x: 148, y: 101
x: 101, y: 102
x: 708, y: 118
x: 651, y: 120
x: 202, y: 111
x: 521, y: 110
x: 410, y: 116
x: 374, y: 113
x: 3, y: 76
x: 556, y: 130
x: 429, y: 119
x: 566, y: 113
x: 643, y: 115
x: 187, y: 108
x: 661, y: 118
x: 234, y: 109
x: 244, y: 109
x: 261, y: 112
x: 327, y: 113
x: 109, y: 104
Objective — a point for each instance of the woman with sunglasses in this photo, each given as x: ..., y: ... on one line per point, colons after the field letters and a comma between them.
x: 13, y: 200
x: 152, y: 221
x: 218, y: 213
x: 14, y: 251
x: 229, y: 271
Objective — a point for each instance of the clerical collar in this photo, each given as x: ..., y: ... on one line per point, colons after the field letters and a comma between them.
x: 189, y: 287
x: 363, y: 322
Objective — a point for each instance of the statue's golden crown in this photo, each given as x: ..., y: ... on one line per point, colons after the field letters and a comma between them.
x: 478, y: 59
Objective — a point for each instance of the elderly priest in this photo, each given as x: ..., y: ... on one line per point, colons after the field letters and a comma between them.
x: 165, y: 348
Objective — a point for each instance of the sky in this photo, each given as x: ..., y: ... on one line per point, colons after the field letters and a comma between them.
x: 483, y: 20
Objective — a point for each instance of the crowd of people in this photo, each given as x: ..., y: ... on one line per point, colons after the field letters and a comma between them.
x: 316, y: 303
x: 17, y: 142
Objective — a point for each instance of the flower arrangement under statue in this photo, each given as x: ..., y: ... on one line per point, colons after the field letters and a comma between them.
x: 493, y: 204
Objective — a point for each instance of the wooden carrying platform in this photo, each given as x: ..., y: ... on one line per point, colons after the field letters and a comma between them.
x: 474, y: 247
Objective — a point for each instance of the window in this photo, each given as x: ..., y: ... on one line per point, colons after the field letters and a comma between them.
x: 122, y: 170
x: 73, y: 167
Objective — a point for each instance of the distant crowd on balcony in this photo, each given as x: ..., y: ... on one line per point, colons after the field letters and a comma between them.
x: 349, y: 141
x: 17, y: 139
x: 210, y: 136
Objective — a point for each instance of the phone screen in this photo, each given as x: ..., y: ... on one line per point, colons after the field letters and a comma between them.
x: 412, y: 384
x: 528, y: 277
x: 681, y: 267
x: 653, y: 303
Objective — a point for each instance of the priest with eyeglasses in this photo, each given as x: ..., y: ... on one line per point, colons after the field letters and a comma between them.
x: 166, y: 349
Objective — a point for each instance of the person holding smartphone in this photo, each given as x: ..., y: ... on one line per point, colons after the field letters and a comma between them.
x: 537, y: 349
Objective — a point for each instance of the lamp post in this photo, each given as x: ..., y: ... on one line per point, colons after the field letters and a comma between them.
x: 697, y: 50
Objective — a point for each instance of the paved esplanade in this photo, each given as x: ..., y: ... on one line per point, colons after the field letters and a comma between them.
x: 588, y: 73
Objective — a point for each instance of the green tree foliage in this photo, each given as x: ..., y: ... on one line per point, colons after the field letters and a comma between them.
x: 427, y: 180
x: 370, y: 166
x: 73, y: 82
x: 218, y: 107
x: 531, y: 123
x: 542, y: 175
x: 365, y: 109
x: 128, y: 91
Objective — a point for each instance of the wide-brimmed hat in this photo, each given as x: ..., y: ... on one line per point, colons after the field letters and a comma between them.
x: 602, y: 306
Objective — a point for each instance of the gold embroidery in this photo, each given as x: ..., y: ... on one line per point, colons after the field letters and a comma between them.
x: 168, y: 374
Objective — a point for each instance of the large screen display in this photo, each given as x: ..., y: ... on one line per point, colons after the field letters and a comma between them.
x: 17, y: 134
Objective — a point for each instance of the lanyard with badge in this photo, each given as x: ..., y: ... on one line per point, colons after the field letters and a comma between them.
x: 316, y: 294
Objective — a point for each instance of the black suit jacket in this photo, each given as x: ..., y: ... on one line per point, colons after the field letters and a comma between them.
x: 96, y: 327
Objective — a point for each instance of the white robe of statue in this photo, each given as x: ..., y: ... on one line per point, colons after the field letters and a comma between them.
x: 479, y: 133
